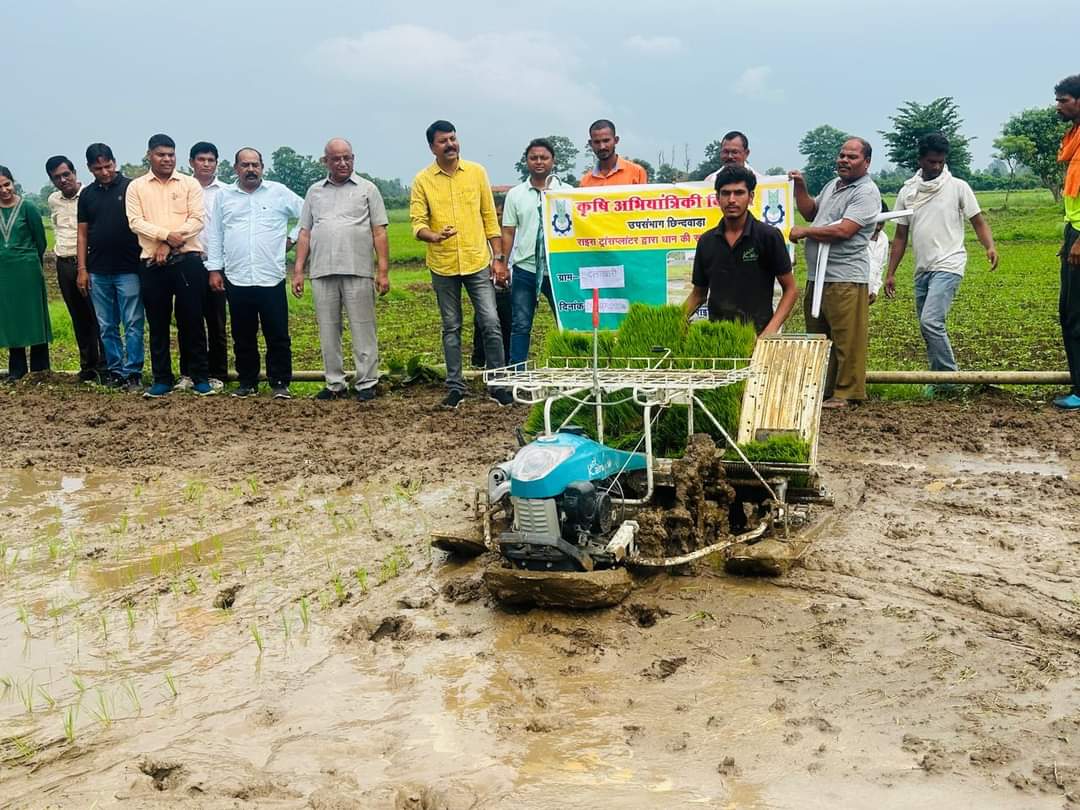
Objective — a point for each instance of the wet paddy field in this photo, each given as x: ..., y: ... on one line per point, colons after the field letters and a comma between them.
x: 232, y: 603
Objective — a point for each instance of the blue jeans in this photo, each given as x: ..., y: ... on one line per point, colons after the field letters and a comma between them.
x: 523, y: 303
x: 934, y: 293
x: 118, y: 299
x: 482, y: 294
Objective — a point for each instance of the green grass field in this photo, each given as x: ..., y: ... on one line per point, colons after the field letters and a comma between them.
x: 1002, y: 320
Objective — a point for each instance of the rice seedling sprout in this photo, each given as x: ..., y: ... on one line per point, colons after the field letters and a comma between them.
x: 69, y: 723
x: 257, y: 635
x: 305, y: 613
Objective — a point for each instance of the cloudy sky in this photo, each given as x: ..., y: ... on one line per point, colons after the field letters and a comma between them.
x: 672, y: 75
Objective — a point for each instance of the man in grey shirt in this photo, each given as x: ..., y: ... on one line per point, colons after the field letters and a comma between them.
x: 343, y: 230
x: 843, y: 217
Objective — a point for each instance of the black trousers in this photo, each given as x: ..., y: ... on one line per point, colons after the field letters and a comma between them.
x: 84, y: 322
x: 185, y: 282
x: 39, y: 360
x: 504, y: 306
x: 1069, y: 308
x: 249, y: 307
x: 217, y: 341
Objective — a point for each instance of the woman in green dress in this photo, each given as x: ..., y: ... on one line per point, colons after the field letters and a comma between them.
x: 24, y: 305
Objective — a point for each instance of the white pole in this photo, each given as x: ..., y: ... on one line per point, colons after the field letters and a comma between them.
x: 823, y: 258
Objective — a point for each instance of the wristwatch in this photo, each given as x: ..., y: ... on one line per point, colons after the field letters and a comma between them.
x: 498, y: 257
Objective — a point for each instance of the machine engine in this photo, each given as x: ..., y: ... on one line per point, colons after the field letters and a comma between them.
x: 560, y: 494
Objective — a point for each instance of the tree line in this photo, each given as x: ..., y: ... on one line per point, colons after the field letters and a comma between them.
x: 1025, y: 154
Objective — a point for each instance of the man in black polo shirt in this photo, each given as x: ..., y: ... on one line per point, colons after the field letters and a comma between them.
x: 736, y: 262
x: 108, y: 268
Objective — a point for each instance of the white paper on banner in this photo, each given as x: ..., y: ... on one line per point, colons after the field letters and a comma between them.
x: 616, y: 306
x: 823, y: 258
x: 603, y: 278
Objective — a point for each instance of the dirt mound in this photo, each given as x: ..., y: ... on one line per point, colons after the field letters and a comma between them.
x: 696, y: 513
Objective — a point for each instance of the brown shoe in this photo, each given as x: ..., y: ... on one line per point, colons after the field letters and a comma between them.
x: 832, y: 403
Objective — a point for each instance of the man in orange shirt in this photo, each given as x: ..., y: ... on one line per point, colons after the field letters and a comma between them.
x: 610, y: 169
x: 165, y: 211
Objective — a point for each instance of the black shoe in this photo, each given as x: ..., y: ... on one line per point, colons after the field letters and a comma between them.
x: 365, y: 394
x: 453, y: 399
x: 280, y: 392
x: 330, y: 393
x: 244, y: 391
x: 502, y: 396
x: 88, y: 375
x: 133, y: 383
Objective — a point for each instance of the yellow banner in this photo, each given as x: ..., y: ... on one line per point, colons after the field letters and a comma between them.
x: 636, y: 243
x: 652, y: 217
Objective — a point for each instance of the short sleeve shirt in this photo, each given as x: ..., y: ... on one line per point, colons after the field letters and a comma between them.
x: 340, y: 219
x: 64, y: 214
x: 937, y: 226
x: 861, y: 203
x: 111, y: 247
x: 521, y: 211
x: 625, y: 173
x: 740, y: 277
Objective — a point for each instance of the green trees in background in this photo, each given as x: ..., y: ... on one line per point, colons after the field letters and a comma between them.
x: 566, y: 158
x: 1014, y: 151
x: 820, y: 146
x: 913, y: 120
x: 668, y: 174
x: 225, y: 171
x: 710, y: 164
x: 1037, y: 134
x: 299, y: 172
x: 134, y: 170
x: 290, y: 168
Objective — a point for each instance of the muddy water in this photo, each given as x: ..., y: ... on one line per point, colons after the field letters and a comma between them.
x: 925, y: 655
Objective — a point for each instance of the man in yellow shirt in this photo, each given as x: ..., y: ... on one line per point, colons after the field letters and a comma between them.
x: 453, y: 211
x: 610, y: 169
x: 165, y: 211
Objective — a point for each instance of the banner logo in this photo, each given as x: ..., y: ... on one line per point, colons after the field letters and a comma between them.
x: 773, y: 210
x: 561, y: 222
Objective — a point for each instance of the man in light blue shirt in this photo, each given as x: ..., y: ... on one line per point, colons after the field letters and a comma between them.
x: 245, y: 249
x: 522, y: 228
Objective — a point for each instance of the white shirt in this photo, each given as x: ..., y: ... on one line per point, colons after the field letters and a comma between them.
x: 247, y: 237
x: 937, y: 227
x: 209, y: 193
x: 64, y: 212
x: 878, y: 248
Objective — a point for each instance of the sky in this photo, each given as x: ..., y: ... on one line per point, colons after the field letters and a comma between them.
x: 672, y: 75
